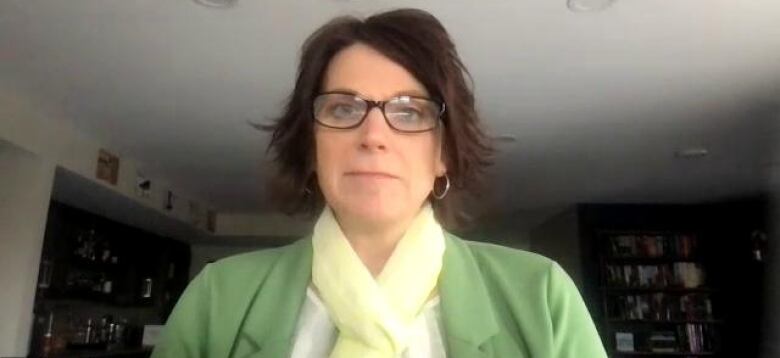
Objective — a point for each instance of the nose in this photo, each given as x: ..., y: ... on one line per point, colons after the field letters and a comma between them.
x: 374, y: 131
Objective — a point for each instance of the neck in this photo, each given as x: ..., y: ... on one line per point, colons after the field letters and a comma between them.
x: 374, y: 243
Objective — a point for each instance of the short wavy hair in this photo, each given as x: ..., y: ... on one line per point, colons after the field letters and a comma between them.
x: 415, y: 40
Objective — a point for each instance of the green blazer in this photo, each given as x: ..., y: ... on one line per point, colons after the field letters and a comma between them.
x: 495, y: 302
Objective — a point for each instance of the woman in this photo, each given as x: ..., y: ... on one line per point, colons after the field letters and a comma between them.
x: 379, y: 133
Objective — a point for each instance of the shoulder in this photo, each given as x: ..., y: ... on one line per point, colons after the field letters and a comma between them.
x: 502, y: 259
x: 537, y: 298
x: 512, y: 271
x: 246, y: 267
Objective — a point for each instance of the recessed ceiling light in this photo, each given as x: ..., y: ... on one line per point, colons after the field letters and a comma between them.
x: 588, y: 5
x: 220, y: 4
x: 693, y: 152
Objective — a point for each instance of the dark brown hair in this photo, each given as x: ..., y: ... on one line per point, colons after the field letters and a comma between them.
x: 415, y: 40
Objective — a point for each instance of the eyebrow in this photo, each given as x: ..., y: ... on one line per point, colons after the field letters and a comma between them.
x: 408, y: 92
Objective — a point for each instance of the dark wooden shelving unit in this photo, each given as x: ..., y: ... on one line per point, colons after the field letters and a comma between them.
x: 726, y: 233
x: 653, y: 288
x: 93, y: 267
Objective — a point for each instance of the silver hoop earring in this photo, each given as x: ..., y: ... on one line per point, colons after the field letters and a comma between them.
x: 446, y: 188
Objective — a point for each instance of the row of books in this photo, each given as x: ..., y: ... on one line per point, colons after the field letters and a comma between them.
x: 661, y: 307
x: 698, y: 337
x: 679, y: 274
x: 686, y: 338
x: 672, y: 245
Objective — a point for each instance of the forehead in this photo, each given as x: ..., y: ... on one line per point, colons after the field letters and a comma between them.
x: 367, y: 72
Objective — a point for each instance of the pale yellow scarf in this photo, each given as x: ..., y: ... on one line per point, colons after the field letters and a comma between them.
x: 373, y: 317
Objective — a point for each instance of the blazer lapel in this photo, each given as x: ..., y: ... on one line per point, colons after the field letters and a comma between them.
x: 271, y: 319
x: 467, y: 312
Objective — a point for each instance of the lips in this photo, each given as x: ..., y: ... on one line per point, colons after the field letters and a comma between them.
x: 370, y: 174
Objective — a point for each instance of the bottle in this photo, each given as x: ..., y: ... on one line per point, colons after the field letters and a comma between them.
x: 48, y: 338
x: 146, y: 288
x: 107, y: 286
x: 90, y: 332
x: 105, y: 328
x: 105, y: 254
x: 79, y: 250
x: 92, y: 255
x: 97, y: 285
x: 119, y: 332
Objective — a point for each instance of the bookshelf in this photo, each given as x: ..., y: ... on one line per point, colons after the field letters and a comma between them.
x: 725, y: 248
x: 655, y: 295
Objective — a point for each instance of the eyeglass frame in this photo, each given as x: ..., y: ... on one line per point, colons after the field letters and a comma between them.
x: 370, y: 104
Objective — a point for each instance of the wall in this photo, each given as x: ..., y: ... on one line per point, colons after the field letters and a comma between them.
x: 35, y: 141
x: 771, y: 336
x: 558, y: 239
x: 263, y: 225
x: 501, y: 231
x: 771, y: 327
x: 25, y: 188
x: 54, y: 137
x: 203, y: 254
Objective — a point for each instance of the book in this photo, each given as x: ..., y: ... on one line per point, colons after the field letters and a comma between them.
x: 624, y: 341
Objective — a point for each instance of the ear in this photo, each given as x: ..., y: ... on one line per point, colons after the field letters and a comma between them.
x: 440, y: 167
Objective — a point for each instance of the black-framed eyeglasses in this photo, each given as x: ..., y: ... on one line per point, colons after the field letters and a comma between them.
x: 407, y: 114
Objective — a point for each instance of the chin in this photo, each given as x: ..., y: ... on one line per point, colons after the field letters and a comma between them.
x: 375, y: 211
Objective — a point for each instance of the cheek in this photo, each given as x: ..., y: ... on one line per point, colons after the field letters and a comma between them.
x: 326, y: 156
x: 323, y: 161
x: 423, y: 161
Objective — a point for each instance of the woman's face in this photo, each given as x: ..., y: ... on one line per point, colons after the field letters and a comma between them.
x: 373, y: 173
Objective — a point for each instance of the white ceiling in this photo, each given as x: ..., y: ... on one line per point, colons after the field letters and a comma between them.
x: 598, y: 102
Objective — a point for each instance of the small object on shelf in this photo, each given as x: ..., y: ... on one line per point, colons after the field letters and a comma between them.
x: 143, y: 186
x: 45, y: 274
x: 146, y: 288
x: 48, y: 343
x: 89, y: 334
x: 105, y: 328
x: 107, y: 286
x: 759, y: 240
x: 170, y: 200
x: 663, y: 342
x: 624, y: 341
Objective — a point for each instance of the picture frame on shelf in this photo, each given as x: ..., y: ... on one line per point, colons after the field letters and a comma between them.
x: 107, y: 167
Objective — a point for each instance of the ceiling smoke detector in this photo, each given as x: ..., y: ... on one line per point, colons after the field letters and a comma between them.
x: 219, y: 4
x: 588, y: 5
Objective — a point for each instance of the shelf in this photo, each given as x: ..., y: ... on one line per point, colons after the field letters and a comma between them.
x: 668, y: 354
x: 671, y: 321
x: 681, y: 290
x: 82, y: 263
x: 649, y: 260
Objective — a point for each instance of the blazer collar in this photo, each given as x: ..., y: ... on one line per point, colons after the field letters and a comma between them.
x: 466, y: 310
x: 270, y: 322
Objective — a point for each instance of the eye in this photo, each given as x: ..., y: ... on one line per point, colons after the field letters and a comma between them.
x: 407, y: 113
x: 343, y: 110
